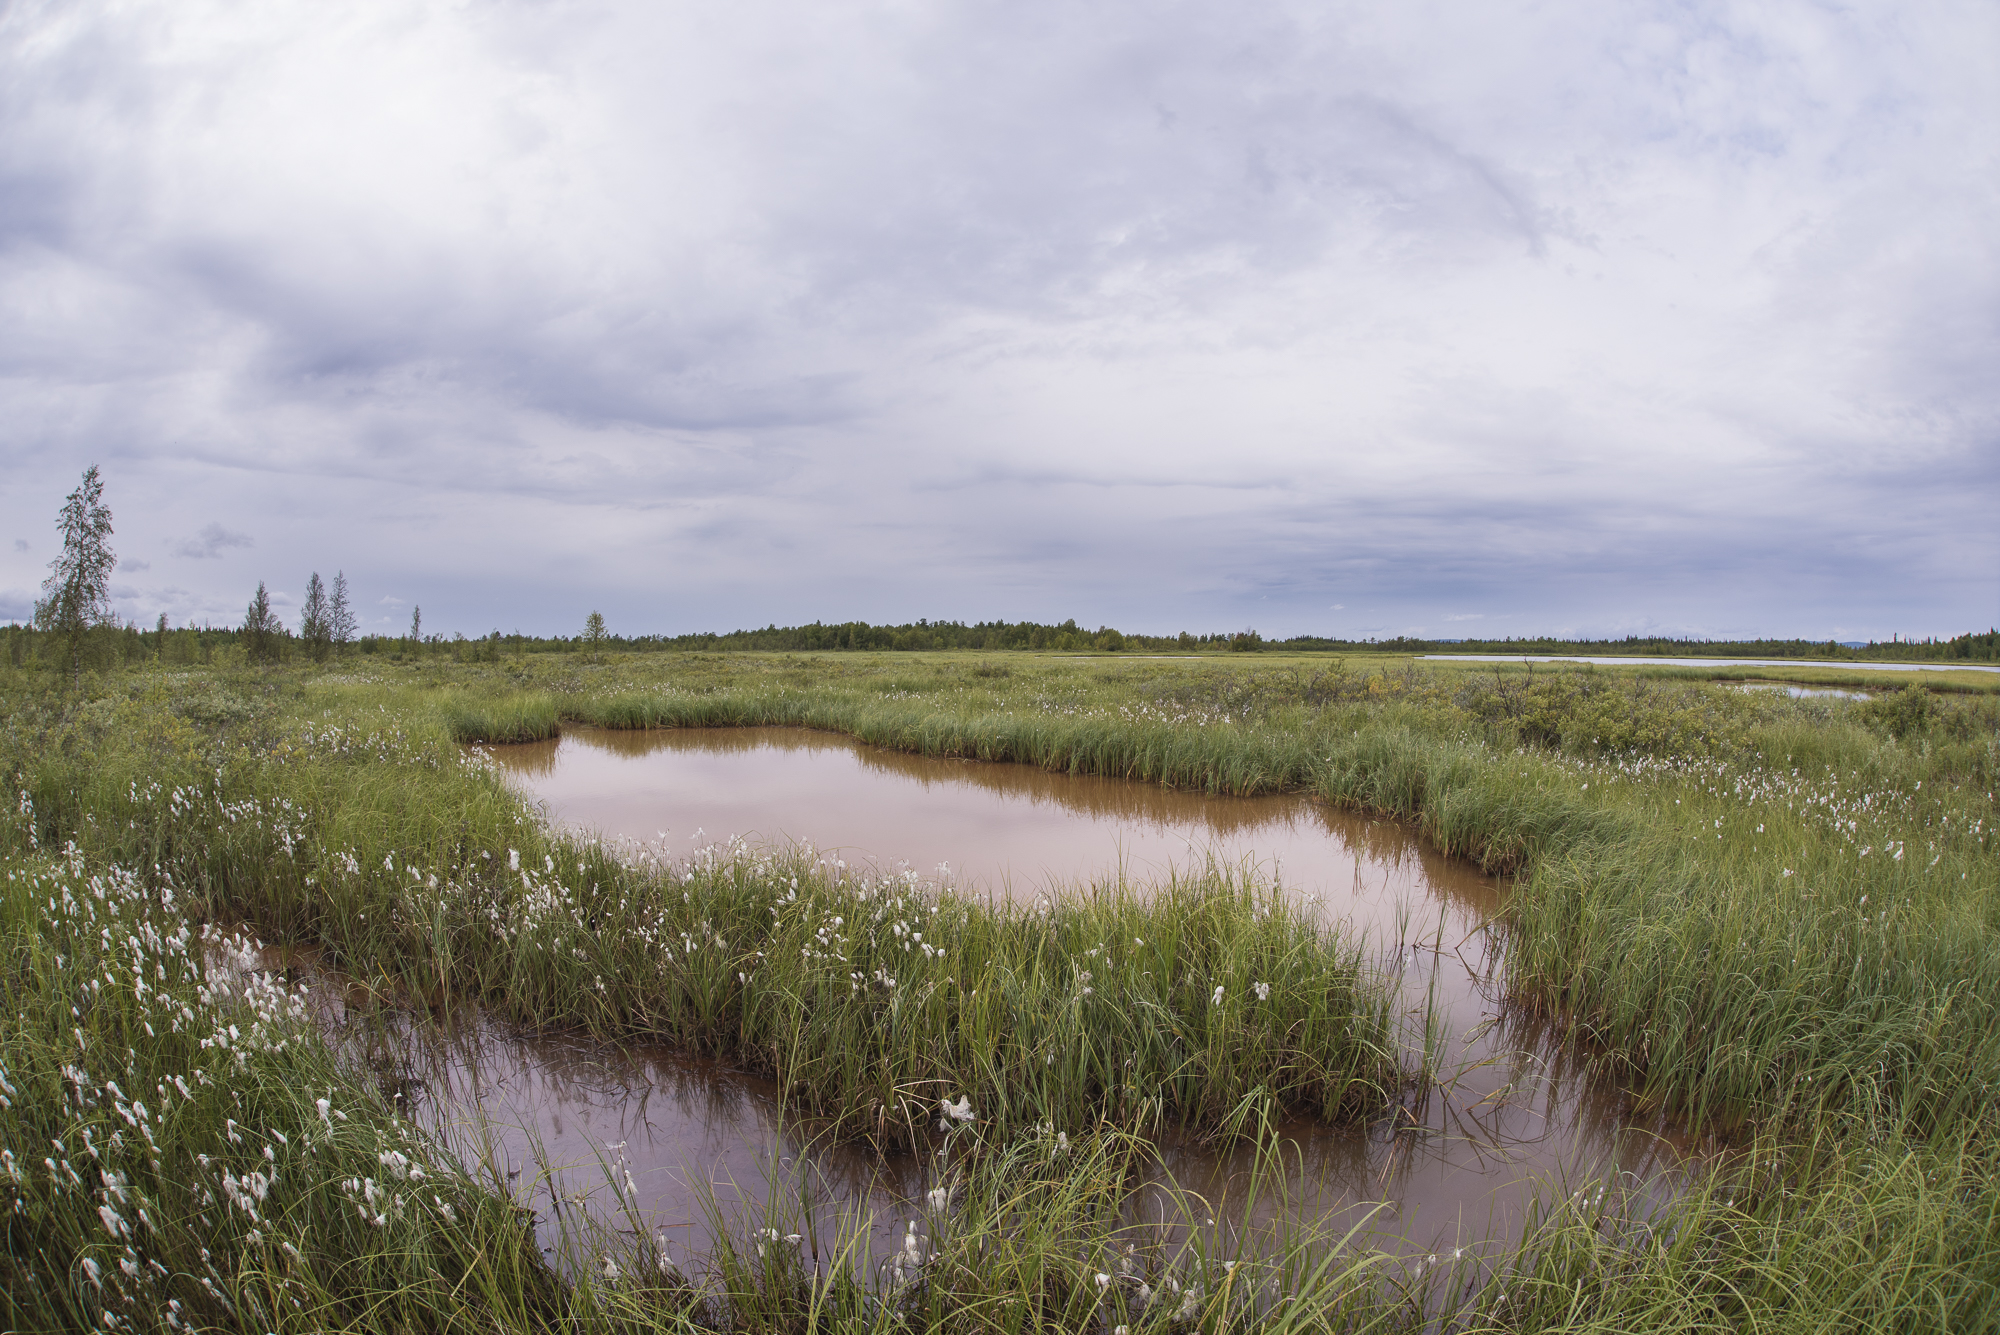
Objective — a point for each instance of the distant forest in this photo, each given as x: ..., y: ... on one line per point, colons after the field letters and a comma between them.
x: 23, y: 646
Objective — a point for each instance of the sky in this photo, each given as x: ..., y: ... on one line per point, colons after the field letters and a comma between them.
x: 1357, y: 320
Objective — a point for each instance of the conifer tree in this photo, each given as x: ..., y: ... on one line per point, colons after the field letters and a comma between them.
x: 261, y: 628
x: 340, y: 613
x: 77, y: 594
x: 316, y: 620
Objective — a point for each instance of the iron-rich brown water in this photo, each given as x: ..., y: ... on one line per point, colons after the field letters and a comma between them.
x: 1514, y: 1116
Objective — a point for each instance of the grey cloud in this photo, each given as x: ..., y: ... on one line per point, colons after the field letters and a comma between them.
x: 1601, y: 315
x: 210, y: 543
x: 880, y: 217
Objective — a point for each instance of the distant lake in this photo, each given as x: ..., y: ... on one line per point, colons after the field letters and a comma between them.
x: 1714, y: 662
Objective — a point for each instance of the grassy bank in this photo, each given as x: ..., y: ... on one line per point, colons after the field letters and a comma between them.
x: 1758, y: 905
x: 869, y: 1001
x: 508, y: 718
x: 179, y: 1152
x: 1775, y: 914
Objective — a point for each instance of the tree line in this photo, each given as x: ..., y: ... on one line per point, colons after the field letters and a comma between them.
x: 75, y: 617
x: 326, y: 622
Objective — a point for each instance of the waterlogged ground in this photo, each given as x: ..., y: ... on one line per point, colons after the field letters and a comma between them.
x: 646, y: 1140
x: 1776, y: 909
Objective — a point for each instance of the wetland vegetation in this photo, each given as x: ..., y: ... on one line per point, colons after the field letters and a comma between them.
x: 1775, y: 916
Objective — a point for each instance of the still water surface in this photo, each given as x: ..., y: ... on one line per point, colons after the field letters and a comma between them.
x: 1515, y: 1116
x: 1867, y: 665
x: 1009, y: 830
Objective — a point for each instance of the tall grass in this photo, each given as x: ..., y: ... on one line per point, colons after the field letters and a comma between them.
x: 183, y: 1153
x: 1780, y: 944
x: 1889, y: 1235
x: 870, y: 1000
x: 529, y: 717
x: 179, y: 1152
x: 1774, y: 914
x: 1696, y: 890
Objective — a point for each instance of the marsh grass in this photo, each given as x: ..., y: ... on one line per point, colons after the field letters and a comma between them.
x: 1763, y: 908
x: 1869, y: 1235
x: 1035, y: 1231
x: 182, y: 1153
x: 222, y: 1171
x: 1700, y: 915
x: 527, y: 717
x: 869, y: 999
x: 1776, y: 915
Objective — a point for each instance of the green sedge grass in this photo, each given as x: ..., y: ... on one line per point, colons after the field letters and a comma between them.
x: 1843, y: 1008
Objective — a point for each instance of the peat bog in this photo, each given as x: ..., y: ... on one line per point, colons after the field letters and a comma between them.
x: 1770, y: 918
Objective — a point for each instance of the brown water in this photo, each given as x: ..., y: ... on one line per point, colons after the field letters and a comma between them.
x: 1013, y: 830
x: 1513, y: 1117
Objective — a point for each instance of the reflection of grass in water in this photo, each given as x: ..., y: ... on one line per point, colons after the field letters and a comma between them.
x: 1035, y: 1232
x: 1030, y: 1232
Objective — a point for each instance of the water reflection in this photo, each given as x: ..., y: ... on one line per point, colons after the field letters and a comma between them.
x: 1801, y: 692
x: 627, y: 1140
x: 1514, y: 1115
x: 1013, y: 830
x: 1852, y: 665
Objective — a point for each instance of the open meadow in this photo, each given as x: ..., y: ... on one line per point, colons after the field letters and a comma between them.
x: 1775, y: 917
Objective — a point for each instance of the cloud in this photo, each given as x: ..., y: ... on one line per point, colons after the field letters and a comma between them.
x: 128, y: 563
x: 210, y: 543
x: 21, y: 545
x: 1146, y: 314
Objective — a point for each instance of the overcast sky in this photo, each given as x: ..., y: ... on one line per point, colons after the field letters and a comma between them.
x: 1350, y: 319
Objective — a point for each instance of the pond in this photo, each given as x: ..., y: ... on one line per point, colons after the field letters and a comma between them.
x: 563, y: 1121
x: 1861, y: 665
x: 1801, y: 692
